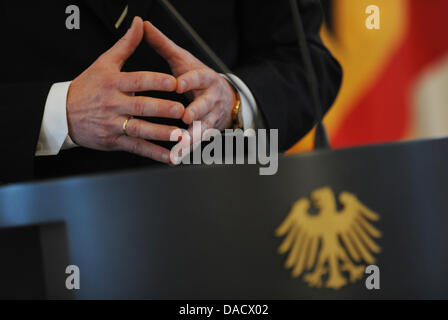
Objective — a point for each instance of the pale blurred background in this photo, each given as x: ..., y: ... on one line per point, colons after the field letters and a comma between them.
x: 395, y: 83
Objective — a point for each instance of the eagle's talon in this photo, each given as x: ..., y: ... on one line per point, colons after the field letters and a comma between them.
x: 315, y: 279
x: 336, y: 282
x: 356, y: 272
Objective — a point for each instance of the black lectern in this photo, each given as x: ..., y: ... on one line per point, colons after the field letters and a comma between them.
x: 210, y: 232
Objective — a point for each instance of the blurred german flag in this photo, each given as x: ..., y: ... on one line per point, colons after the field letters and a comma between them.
x: 395, y: 84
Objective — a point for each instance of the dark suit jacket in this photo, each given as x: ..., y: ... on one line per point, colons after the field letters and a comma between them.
x: 254, y: 38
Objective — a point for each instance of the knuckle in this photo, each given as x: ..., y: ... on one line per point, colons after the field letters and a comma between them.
x: 210, y: 75
x: 134, y: 128
x: 203, y: 79
x: 137, y: 147
x: 124, y: 42
x: 106, y: 104
x: 139, y: 107
x: 221, y: 114
x: 159, y: 81
x: 200, y: 77
x: 137, y: 82
x: 209, y: 124
x: 103, y: 106
x: 219, y: 101
x: 111, y: 143
x: 104, y: 130
x: 109, y: 82
x: 207, y: 102
x: 156, y: 109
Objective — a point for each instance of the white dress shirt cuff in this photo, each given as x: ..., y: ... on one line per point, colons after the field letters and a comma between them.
x: 248, y: 106
x: 54, y: 130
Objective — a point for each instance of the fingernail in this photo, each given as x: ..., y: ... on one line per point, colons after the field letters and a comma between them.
x: 174, y: 111
x: 183, y: 85
x: 168, y: 84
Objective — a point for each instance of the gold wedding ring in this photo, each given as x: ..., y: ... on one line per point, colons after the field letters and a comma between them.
x: 125, y: 124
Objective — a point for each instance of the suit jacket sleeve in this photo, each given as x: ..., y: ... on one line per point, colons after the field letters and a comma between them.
x: 22, y: 107
x: 271, y: 65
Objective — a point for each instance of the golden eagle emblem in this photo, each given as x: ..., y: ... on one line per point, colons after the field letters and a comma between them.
x: 329, y: 239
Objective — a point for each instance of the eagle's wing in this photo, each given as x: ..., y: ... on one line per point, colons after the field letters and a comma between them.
x: 356, y: 231
x: 302, y: 238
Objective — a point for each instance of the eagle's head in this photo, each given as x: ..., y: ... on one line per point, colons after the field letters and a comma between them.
x: 324, y: 199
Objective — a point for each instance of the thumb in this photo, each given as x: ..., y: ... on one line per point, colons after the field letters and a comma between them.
x: 165, y: 47
x: 125, y: 47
